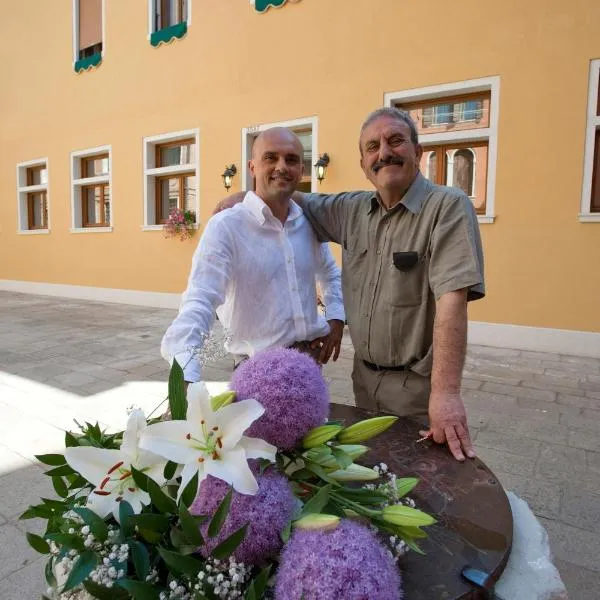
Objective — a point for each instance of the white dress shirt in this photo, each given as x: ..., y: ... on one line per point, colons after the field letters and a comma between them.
x: 259, y: 275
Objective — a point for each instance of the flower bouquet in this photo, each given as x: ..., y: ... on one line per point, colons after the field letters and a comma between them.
x: 181, y: 224
x: 249, y: 494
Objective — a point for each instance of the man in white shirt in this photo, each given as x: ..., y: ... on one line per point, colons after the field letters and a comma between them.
x: 257, y: 266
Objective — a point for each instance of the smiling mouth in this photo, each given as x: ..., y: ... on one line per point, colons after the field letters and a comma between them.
x: 378, y: 168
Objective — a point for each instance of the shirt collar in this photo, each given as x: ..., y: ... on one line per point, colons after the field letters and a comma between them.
x: 413, y: 198
x: 257, y: 206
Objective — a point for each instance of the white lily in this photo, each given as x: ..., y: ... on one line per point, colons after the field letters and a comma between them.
x: 110, y: 470
x: 211, y: 442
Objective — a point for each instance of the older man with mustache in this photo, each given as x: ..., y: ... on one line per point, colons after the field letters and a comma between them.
x: 412, y: 259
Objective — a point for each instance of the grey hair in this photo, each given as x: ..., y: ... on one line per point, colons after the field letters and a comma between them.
x: 394, y: 113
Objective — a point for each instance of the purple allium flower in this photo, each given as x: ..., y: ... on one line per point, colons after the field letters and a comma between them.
x: 348, y: 562
x: 290, y: 386
x: 268, y: 512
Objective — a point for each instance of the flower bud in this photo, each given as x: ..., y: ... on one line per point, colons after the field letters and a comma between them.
x: 354, y: 451
x: 320, y: 435
x: 354, y: 473
x: 224, y: 399
x: 317, y: 521
x: 364, y: 430
x: 406, y: 516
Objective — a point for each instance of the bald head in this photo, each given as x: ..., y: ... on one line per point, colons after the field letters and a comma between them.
x: 273, y: 136
x: 276, y: 164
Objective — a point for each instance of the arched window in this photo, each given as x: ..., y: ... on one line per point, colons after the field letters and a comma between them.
x: 432, y: 166
x: 463, y: 163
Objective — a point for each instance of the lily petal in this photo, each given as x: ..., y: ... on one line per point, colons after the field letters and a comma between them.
x: 135, y: 425
x: 93, y: 463
x: 102, y: 505
x: 199, y: 405
x: 168, y: 439
x: 257, y: 448
x: 188, y: 473
x: 233, y: 468
x: 236, y: 418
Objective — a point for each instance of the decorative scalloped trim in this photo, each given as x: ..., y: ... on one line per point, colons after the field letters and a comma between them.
x: 272, y: 4
x: 178, y: 31
x: 95, y: 62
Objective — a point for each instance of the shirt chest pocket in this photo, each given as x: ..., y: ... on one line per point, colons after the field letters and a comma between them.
x: 354, y: 263
x: 408, y: 277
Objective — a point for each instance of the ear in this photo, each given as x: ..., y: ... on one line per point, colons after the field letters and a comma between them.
x: 418, y: 152
x: 251, y: 166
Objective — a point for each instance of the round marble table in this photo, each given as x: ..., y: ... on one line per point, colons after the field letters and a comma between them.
x: 474, y: 525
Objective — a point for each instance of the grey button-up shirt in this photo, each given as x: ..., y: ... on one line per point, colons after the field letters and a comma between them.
x: 397, y: 263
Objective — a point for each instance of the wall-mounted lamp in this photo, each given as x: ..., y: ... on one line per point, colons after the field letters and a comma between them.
x: 228, y: 175
x: 321, y: 166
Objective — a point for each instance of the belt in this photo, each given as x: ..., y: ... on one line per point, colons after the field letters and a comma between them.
x: 375, y: 367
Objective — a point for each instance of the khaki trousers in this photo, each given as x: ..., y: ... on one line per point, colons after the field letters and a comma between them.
x: 402, y: 393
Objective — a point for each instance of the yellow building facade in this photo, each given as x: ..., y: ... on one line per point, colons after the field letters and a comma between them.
x: 114, y: 111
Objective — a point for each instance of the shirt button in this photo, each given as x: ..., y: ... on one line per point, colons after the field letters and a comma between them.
x: 365, y: 315
x: 289, y: 260
x: 378, y: 251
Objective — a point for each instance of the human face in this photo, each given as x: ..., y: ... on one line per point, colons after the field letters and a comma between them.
x: 276, y: 163
x: 389, y: 158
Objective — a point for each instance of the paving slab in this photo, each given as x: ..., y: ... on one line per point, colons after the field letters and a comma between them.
x: 535, y: 418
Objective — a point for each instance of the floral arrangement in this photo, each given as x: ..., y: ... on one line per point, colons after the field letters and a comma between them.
x: 180, y: 224
x: 246, y: 495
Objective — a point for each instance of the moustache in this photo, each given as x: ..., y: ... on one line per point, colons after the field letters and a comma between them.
x: 396, y: 160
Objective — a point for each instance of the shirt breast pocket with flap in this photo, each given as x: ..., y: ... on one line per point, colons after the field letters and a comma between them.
x: 408, y: 272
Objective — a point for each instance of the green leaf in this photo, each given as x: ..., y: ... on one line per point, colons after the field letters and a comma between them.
x: 362, y: 496
x: 320, y: 472
x: 220, y: 515
x: 177, y: 537
x: 68, y: 540
x: 407, y: 532
x: 49, y: 573
x: 405, y: 485
x: 76, y: 481
x: 141, y: 479
x: 151, y: 521
x: 285, y: 534
x: 62, y: 470
x: 170, y: 469
x: 54, y: 460
x: 70, y: 440
x: 38, y: 543
x: 317, y: 502
x: 258, y: 586
x: 141, y: 559
x: 86, y: 562
x: 140, y: 590
x: 180, y: 563
x: 60, y: 487
x: 164, y: 503
x: 191, y: 491
x: 343, y: 458
x: 190, y: 527
x: 37, y: 512
x: 97, y: 525
x: 177, y: 399
x: 229, y: 544
x: 102, y: 593
x: 125, y: 514
x: 152, y: 537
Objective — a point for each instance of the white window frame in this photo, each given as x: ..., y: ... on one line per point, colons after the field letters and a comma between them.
x: 489, y: 134
x: 77, y: 182
x: 252, y: 131
x: 76, y: 30
x: 151, y: 172
x: 593, y: 122
x: 23, y: 189
x: 152, y: 8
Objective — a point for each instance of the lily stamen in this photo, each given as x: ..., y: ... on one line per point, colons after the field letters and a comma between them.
x: 114, y: 467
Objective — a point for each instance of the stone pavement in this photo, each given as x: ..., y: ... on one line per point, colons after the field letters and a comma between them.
x: 535, y: 418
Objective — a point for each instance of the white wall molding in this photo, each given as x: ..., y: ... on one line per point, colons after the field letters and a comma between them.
x: 95, y: 294
x: 498, y: 335
x: 537, y: 339
x: 592, y: 124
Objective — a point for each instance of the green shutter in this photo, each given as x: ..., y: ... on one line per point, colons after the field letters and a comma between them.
x: 262, y: 5
x: 164, y: 36
x: 87, y: 63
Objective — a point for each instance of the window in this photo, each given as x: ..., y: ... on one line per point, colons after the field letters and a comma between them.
x: 590, y: 198
x: 457, y: 125
x: 169, y: 12
x: 91, y: 190
x: 171, y: 176
x: 306, y: 130
x: 459, y: 165
x: 32, y: 196
x: 87, y: 33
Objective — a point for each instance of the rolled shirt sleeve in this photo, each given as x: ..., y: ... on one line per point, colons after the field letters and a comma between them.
x: 329, y: 277
x: 206, y: 290
x: 456, y: 260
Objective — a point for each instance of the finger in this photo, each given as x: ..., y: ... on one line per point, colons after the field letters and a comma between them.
x: 337, y: 347
x: 326, y: 351
x: 454, y: 443
x: 316, y: 343
x: 439, y: 437
x: 465, y: 440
